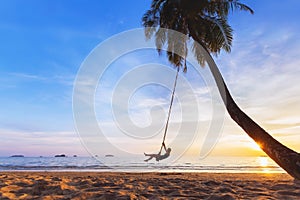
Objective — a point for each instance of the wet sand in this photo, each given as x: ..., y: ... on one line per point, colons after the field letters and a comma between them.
x: 114, y: 185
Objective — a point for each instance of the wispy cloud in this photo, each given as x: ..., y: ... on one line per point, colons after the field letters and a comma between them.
x: 28, y: 76
x: 39, y: 143
x: 65, y: 80
x: 263, y: 77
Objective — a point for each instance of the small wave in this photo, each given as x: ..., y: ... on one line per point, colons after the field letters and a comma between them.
x: 137, y: 165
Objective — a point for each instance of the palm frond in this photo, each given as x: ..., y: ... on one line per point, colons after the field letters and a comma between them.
x: 160, y: 38
x: 222, y: 7
x: 243, y: 7
x: 150, y: 22
x: 199, y: 53
x: 220, y: 35
x: 235, y: 4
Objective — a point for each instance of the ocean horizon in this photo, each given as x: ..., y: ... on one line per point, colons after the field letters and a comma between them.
x: 210, y: 164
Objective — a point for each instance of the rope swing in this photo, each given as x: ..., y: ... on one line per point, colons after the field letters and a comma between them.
x: 169, y: 112
x: 158, y: 156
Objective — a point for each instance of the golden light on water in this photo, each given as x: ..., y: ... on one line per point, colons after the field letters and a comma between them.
x: 263, y: 161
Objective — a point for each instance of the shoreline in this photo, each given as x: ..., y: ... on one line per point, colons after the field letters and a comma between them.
x: 146, y: 185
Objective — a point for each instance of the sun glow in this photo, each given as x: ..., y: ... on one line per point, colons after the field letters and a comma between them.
x: 255, y: 146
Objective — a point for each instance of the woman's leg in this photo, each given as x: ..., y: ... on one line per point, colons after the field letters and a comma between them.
x: 149, y: 158
x: 152, y: 155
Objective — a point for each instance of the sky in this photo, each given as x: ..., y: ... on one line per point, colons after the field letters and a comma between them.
x: 44, y: 44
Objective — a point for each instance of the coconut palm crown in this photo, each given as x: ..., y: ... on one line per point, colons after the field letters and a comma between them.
x: 203, y: 20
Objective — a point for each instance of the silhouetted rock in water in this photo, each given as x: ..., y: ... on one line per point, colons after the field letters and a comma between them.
x: 60, y: 156
x: 109, y: 155
x: 17, y: 156
x: 74, y: 156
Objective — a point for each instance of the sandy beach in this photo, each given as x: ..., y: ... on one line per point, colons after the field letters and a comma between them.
x: 102, y: 185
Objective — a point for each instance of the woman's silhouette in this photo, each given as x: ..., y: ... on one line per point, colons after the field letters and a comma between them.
x: 158, y: 156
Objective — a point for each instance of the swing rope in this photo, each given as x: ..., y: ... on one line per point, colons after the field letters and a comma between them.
x: 169, y: 112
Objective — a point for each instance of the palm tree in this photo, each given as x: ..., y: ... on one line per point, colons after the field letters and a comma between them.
x: 206, y: 22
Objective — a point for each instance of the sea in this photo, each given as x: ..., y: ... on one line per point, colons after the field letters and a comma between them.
x: 209, y: 164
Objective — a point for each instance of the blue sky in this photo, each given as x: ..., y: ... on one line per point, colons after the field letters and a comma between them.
x: 43, y: 44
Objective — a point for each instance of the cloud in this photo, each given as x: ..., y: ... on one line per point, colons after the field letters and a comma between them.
x: 28, y: 76
x: 39, y: 143
x: 65, y: 80
x: 263, y: 77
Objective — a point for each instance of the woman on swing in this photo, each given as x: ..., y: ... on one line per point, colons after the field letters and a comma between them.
x: 158, y: 156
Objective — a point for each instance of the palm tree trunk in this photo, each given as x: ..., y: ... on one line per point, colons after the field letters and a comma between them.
x: 285, y: 157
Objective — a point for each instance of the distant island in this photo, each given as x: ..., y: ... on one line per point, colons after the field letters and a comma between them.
x: 60, y: 156
x: 17, y: 156
x: 109, y: 155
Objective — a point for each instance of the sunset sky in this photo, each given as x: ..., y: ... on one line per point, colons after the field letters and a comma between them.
x: 44, y: 43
